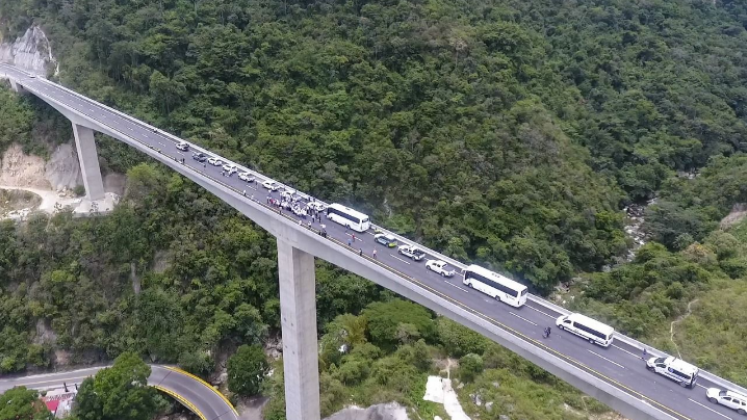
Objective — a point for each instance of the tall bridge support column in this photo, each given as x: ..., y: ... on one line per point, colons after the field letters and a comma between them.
x: 89, y: 162
x: 298, y: 320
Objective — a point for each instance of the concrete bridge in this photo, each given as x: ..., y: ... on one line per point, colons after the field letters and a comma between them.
x: 616, y: 376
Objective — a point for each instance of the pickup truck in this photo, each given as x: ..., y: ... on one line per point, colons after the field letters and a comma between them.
x: 412, y: 251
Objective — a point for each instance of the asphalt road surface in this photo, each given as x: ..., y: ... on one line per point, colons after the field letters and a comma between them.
x: 620, y: 364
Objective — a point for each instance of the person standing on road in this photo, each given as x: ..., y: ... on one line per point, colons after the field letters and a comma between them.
x: 349, y: 243
x: 374, y: 254
x: 360, y: 252
x: 645, y: 353
x: 354, y: 237
x: 547, y: 332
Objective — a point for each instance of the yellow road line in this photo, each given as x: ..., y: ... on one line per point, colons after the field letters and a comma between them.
x: 182, y: 400
x: 202, y: 381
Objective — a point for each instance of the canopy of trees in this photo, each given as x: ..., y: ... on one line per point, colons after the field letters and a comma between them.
x: 117, y: 393
x: 23, y: 404
x: 246, y: 370
x: 507, y: 134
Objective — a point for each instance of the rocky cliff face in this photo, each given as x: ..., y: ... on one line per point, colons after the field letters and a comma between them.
x: 31, y: 52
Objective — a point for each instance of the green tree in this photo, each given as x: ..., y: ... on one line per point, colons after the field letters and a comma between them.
x: 470, y: 365
x: 119, y: 392
x: 384, y: 319
x: 247, y: 369
x: 20, y: 403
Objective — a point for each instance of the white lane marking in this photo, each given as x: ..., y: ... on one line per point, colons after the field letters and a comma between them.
x: 397, y: 258
x: 701, y: 386
x: 372, y: 234
x: 710, y: 409
x: 357, y: 238
x: 637, y: 356
x: 460, y: 288
x: 521, y: 317
x: 543, y: 313
x: 604, y: 358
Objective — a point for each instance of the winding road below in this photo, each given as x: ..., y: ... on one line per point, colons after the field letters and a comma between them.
x: 194, y: 393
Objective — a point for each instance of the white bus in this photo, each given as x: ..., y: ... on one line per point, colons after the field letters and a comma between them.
x: 495, y: 285
x: 348, y: 217
x: 587, y: 328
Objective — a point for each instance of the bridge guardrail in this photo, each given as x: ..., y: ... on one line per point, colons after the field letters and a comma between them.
x: 542, y: 302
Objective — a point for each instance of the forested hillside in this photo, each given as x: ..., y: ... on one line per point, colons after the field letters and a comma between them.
x: 505, y: 133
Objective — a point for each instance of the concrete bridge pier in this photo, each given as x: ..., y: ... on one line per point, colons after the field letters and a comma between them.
x: 17, y: 88
x: 298, y: 320
x: 89, y: 163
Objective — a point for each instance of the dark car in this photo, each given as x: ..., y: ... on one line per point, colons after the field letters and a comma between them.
x: 200, y: 157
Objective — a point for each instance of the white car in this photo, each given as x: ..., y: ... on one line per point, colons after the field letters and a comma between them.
x: 214, y: 161
x: 230, y: 168
x: 245, y: 176
x: 316, y: 206
x: 299, y: 211
x: 183, y: 146
x: 441, y: 267
x: 730, y: 399
x: 271, y: 185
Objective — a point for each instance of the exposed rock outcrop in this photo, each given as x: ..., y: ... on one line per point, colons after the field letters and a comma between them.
x: 390, y: 411
x: 31, y: 52
x: 22, y: 170
x: 63, y: 170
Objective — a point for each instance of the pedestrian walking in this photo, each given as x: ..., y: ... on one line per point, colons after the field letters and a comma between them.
x: 244, y: 193
x: 309, y: 223
x: 354, y: 237
x: 374, y: 254
x: 645, y: 353
x: 204, y: 165
x: 349, y: 242
x: 547, y: 332
x: 360, y: 252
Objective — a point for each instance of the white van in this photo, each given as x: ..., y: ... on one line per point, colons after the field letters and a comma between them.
x: 675, y: 369
x: 587, y: 328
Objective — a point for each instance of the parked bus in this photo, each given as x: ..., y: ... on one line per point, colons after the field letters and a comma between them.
x: 348, y: 217
x: 495, y: 285
x: 587, y: 328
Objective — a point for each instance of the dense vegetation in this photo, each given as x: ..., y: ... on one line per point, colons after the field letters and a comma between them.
x: 23, y: 404
x: 509, y: 135
x: 118, y: 393
x: 702, y: 288
x: 393, y: 346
